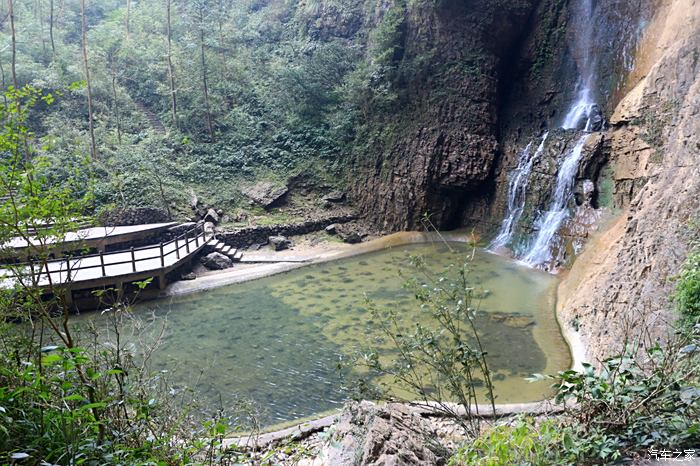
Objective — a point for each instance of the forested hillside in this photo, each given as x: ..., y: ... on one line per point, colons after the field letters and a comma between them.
x: 202, y: 96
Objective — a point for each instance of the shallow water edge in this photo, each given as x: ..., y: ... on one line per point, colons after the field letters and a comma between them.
x: 572, y: 340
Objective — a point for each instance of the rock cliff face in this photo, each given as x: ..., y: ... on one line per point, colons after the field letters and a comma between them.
x: 433, y: 150
x: 620, y: 285
x: 480, y: 80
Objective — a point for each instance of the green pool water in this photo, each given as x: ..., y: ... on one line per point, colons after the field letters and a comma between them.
x: 277, y: 340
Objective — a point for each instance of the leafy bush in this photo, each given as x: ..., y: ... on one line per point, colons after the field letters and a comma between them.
x: 522, y: 442
x: 442, y: 362
x: 646, y: 398
x: 687, y: 293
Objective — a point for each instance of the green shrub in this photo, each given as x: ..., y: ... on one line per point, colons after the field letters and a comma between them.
x: 647, y: 397
x: 441, y: 361
x: 523, y: 442
x: 687, y: 293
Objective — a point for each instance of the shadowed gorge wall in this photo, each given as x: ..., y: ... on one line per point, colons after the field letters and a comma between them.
x: 432, y: 149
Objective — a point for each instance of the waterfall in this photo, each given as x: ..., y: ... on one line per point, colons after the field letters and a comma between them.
x: 584, y: 112
x: 549, y: 223
x: 517, y: 190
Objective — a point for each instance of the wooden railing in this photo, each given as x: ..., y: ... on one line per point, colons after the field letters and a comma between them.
x: 184, y: 244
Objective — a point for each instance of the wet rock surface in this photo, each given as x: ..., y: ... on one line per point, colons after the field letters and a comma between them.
x: 436, y: 150
x: 619, y: 286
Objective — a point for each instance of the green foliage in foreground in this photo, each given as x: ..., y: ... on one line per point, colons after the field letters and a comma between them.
x: 443, y: 359
x: 69, y: 397
x: 522, y: 442
x: 687, y: 293
x: 646, y: 398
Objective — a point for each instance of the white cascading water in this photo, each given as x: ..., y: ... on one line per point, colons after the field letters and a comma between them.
x: 584, y: 109
x: 517, y: 190
x: 582, y: 115
x: 548, y: 224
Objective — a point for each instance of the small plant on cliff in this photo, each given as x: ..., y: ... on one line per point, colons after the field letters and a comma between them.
x: 440, y: 364
x: 687, y: 293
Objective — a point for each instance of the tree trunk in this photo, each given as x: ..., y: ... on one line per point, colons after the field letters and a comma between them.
x: 11, y: 14
x: 171, y: 71
x: 83, y: 21
x: 4, y: 85
x: 115, y: 101
x: 205, y: 86
x: 53, y: 45
x: 222, y: 51
x: 40, y: 17
x: 128, y: 12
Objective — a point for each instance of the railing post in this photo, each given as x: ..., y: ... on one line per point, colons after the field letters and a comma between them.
x: 196, y: 239
x: 102, y: 263
x: 162, y: 257
x: 187, y: 242
x: 177, y: 249
x: 68, y: 268
x: 133, y: 260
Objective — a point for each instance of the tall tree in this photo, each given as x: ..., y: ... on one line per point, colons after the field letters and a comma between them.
x: 171, y: 71
x: 83, y: 27
x: 53, y: 44
x: 200, y: 8
x: 11, y: 14
x: 128, y: 13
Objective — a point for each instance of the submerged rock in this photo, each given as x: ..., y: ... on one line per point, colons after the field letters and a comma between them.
x: 513, y: 320
x: 216, y: 261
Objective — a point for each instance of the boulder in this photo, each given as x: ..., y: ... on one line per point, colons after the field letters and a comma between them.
x: 334, y: 196
x: 212, y: 216
x: 332, y: 229
x: 595, y: 118
x: 209, y: 228
x: 278, y: 243
x: 372, y: 435
x: 216, y: 261
x: 350, y: 237
x: 188, y: 276
x: 266, y: 194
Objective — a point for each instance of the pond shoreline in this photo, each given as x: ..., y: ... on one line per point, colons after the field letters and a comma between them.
x: 301, y: 257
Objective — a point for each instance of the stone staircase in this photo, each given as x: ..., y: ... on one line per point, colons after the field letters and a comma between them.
x: 232, y: 253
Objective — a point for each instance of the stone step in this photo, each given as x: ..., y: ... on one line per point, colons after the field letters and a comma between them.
x: 237, y: 256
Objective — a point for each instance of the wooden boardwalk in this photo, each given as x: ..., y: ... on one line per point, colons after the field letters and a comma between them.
x: 95, y: 237
x: 111, y: 268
